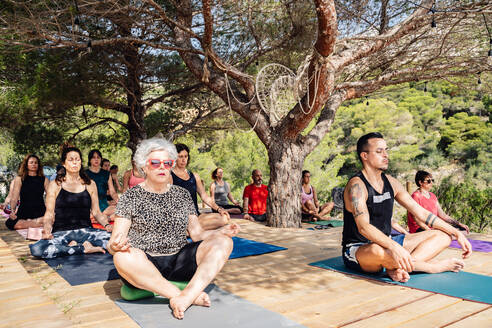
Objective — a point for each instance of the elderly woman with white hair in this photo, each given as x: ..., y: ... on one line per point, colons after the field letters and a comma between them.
x: 149, y: 235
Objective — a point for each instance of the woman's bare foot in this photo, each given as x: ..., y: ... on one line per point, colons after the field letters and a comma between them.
x: 89, y: 248
x: 398, y: 275
x: 179, y: 305
x: 452, y: 264
x: 202, y: 300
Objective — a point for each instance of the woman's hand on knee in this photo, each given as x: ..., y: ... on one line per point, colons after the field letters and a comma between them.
x: 118, y: 243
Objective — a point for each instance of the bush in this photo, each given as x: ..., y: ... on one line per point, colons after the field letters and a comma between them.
x: 466, y: 203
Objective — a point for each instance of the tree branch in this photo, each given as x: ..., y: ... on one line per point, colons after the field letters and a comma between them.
x: 177, y: 92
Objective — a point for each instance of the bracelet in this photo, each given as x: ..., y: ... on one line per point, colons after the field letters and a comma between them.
x: 107, y: 224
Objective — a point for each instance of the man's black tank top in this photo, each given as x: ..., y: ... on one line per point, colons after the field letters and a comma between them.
x: 189, y: 185
x: 380, y: 206
x: 72, y: 210
x: 31, y: 198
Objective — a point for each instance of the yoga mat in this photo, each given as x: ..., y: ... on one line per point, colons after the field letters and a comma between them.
x: 227, y: 310
x: 330, y: 223
x: 465, y: 285
x: 394, y: 232
x: 30, y: 233
x: 245, y: 247
x: 88, y: 268
x: 477, y: 245
x: 82, y: 269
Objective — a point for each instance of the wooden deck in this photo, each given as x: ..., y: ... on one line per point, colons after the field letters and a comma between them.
x: 31, y: 293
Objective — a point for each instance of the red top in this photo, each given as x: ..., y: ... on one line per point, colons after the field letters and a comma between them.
x: 429, y: 204
x: 257, y: 198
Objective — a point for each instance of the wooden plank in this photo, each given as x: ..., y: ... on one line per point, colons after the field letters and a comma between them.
x: 281, y: 281
x: 446, y: 315
x: 333, y: 310
x: 482, y: 319
x: 413, y: 311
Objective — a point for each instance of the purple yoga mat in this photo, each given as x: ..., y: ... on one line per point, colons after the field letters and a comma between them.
x: 477, y: 245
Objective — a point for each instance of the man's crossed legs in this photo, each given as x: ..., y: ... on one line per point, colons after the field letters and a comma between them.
x: 423, y: 247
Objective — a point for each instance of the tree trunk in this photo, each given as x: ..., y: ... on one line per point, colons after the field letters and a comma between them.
x: 136, y: 130
x: 284, y: 199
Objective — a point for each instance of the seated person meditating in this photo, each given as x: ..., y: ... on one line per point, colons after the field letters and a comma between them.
x: 183, y: 177
x: 149, y: 237
x: 425, y: 198
x: 311, y: 210
x: 103, y: 181
x: 255, y: 198
x: 366, y: 241
x: 221, y: 191
x: 67, y: 225
x: 29, y: 186
x: 131, y: 177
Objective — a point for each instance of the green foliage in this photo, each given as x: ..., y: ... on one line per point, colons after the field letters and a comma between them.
x: 236, y: 153
x: 38, y: 139
x: 324, y: 165
x: 466, y: 203
x: 239, y: 154
x: 382, y: 115
x: 467, y: 138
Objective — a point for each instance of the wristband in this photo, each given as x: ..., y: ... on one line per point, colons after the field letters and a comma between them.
x: 107, y: 224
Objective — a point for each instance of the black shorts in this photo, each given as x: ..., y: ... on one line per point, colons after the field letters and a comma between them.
x: 306, y: 217
x: 177, y: 267
x: 259, y: 217
x: 10, y: 223
x: 228, y: 206
x: 349, y: 251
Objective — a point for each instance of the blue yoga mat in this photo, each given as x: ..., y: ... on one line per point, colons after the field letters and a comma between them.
x: 465, y: 285
x: 88, y: 268
x: 245, y: 247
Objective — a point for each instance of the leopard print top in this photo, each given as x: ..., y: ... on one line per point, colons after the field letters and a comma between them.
x: 158, y: 221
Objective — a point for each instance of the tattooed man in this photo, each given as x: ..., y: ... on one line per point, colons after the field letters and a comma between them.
x: 369, y: 198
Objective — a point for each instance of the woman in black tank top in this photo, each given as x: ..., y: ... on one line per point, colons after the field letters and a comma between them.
x: 69, y: 202
x: 29, y: 188
x: 192, y: 182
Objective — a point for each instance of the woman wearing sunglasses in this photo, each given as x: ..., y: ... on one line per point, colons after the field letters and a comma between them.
x: 428, y: 200
x: 149, y: 236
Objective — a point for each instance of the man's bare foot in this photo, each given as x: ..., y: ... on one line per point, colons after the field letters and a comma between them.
x: 179, y: 305
x: 202, y: 300
x: 89, y: 248
x: 398, y: 275
x: 72, y: 243
x: 452, y: 264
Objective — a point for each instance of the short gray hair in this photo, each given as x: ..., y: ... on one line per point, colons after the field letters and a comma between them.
x: 153, y: 144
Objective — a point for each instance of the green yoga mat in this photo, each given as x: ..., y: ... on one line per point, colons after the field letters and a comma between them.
x: 464, y: 285
x: 330, y: 223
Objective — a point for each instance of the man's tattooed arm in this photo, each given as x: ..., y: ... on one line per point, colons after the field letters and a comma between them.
x: 355, y: 195
x: 430, y: 220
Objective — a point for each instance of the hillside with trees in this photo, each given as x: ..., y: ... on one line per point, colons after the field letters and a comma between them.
x: 131, y: 68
